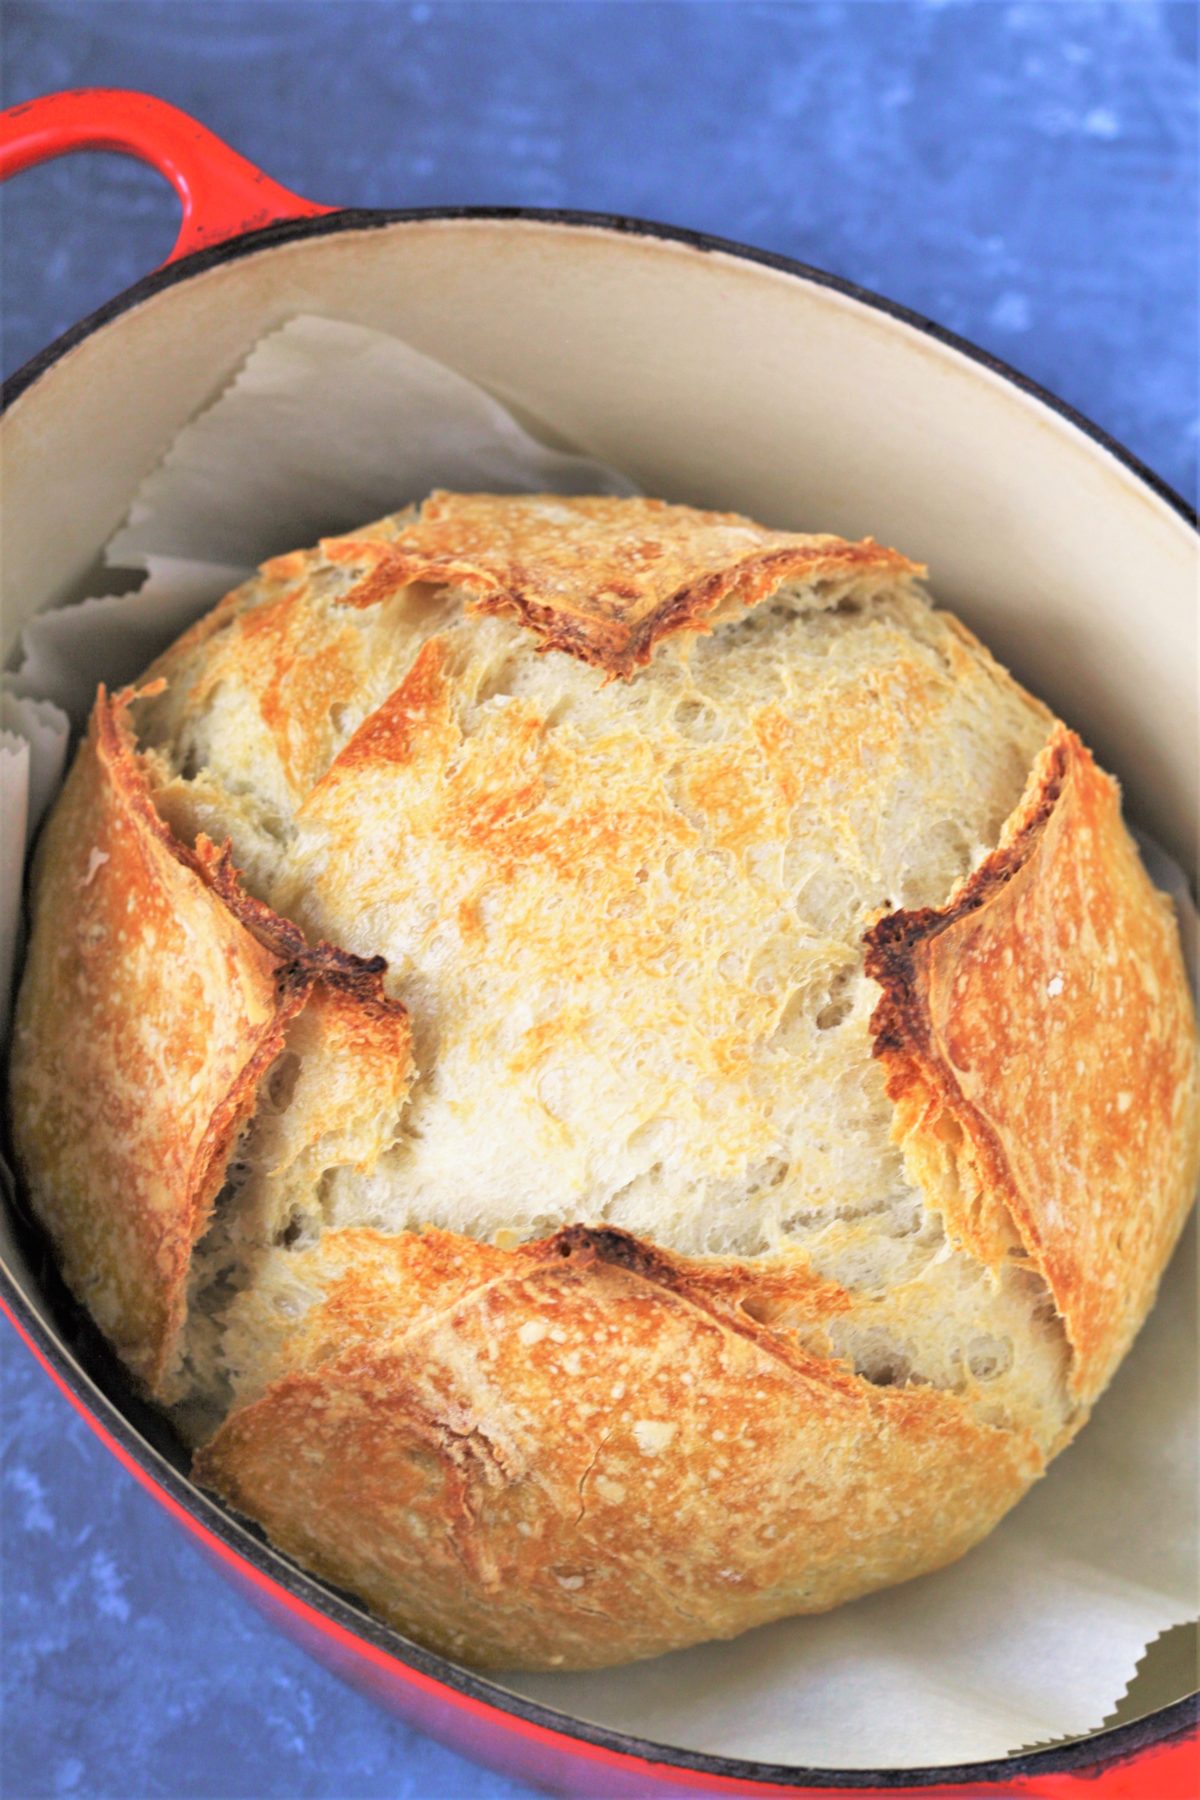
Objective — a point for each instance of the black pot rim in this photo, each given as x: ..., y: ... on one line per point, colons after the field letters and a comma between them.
x: 1092, y: 1753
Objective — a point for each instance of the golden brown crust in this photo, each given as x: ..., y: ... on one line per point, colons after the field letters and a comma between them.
x: 630, y: 925
x: 603, y: 579
x: 129, y: 1083
x: 416, y: 719
x: 522, y: 1469
x: 158, y: 997
x: 1039, y: 1042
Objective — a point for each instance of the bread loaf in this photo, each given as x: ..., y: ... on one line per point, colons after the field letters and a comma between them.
x: 623, y: 1078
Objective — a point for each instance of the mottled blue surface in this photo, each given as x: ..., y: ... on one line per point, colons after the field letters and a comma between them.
x: 1025, y: 174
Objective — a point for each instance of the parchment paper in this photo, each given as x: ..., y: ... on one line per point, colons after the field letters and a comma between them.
x: 1037, y: 1632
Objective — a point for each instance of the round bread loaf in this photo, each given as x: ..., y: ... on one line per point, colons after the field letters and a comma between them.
x: 620, y: 1074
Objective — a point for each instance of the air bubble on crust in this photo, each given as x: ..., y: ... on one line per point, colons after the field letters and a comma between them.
x: 989, y: 1357
x: 341, y: 718
x: 697, y: 721
x: 840, y: 1002
x: 281, y: 1082
x: 874, y: 1354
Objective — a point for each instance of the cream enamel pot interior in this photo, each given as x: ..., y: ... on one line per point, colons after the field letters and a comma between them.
x: 709, y: 376
x: 713, y: 375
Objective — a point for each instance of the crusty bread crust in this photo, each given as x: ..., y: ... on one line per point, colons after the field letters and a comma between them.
x: 1039, y: 1041
x: 604, y: 579
x: 156, y: 999
x: 609, y: 873
x: 146, y: 1018
x: 586, y: 1450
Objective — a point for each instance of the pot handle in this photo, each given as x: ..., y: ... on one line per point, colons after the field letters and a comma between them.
x: 223, y: 195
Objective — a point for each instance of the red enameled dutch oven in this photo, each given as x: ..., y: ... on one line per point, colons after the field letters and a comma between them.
x: 713, y: 374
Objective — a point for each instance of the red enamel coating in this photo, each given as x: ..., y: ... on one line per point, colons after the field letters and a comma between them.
x: 222, y: 194
x: 566, y: 1765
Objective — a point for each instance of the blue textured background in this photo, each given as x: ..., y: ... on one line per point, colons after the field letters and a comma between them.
x: 1025, y: 174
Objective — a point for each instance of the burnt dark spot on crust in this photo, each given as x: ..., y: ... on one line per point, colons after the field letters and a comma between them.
x: 590, y: 1244
x: 300, y: 965
x: 896, y: 945
x: 217, y: 869
x: 291, y: 978
x: 361, y: 978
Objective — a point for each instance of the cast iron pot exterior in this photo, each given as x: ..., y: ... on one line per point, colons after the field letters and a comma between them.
x: 231, y: 211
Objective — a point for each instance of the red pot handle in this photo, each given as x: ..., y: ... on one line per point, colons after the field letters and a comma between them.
x: 223, y: 195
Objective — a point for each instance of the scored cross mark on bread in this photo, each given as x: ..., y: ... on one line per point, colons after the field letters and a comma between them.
x: 635, y: 1082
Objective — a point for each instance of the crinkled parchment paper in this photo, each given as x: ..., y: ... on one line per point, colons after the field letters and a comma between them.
x: 1036, y: 1633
